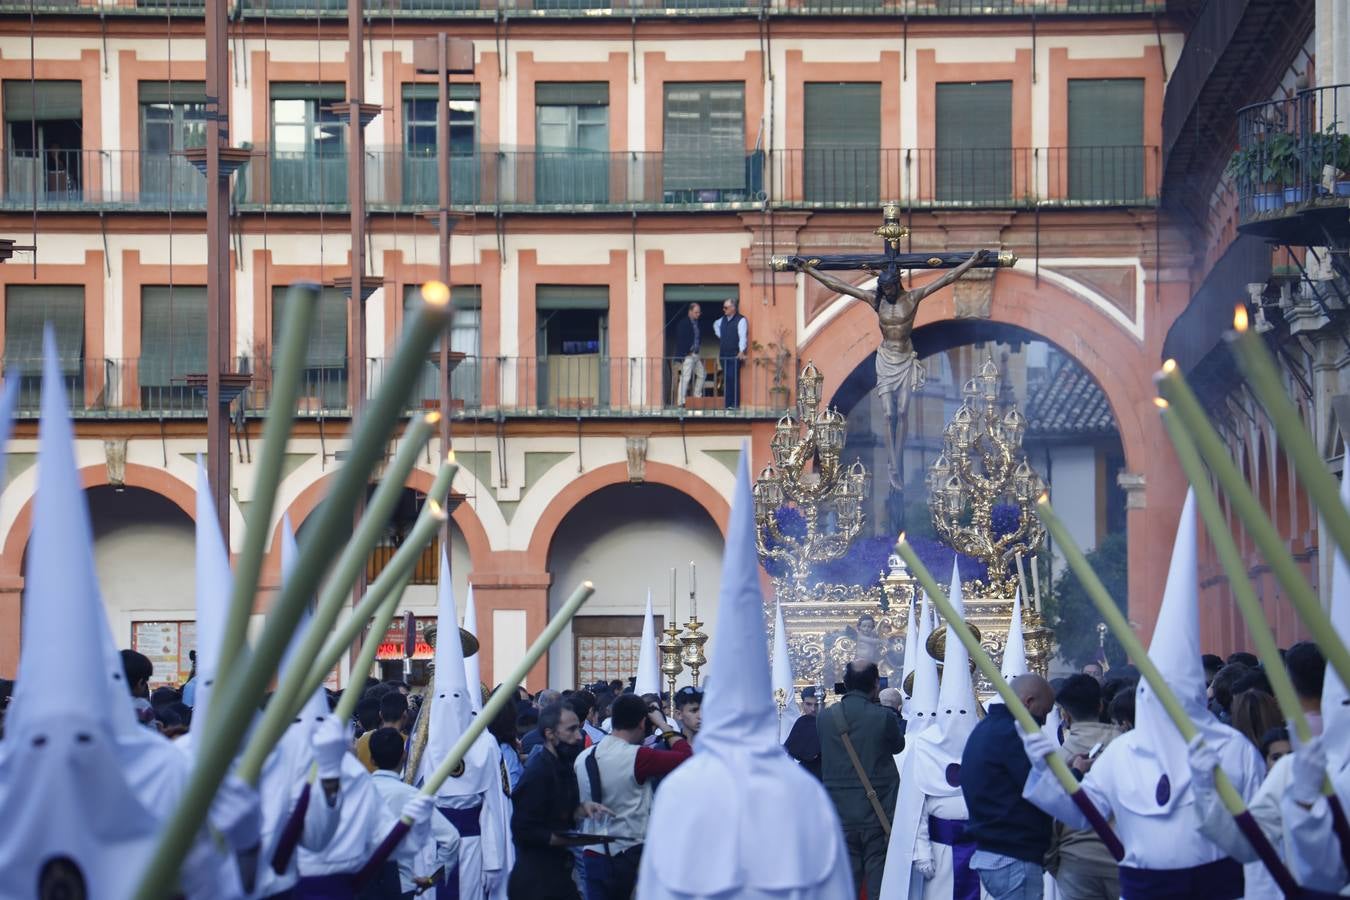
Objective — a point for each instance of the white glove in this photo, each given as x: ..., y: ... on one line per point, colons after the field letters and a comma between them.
x: 925, y: 868
x: 491, y: 879
x: 1204, y: 760
x: 331, y: 742
x: 1036, y: 745
x: 237, y: 814
x: 1309, y: 771
x: 418, y: 809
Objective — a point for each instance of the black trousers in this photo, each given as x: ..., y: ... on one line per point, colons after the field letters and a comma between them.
x: 542, y: 873
x: 731, y: 381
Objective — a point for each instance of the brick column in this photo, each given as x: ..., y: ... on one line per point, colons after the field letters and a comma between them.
x: 507, y: 583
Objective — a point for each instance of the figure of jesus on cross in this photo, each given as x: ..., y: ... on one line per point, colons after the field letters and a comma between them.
x: 899, y: 371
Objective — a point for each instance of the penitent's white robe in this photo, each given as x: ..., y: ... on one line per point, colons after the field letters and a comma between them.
x: 942, y: 886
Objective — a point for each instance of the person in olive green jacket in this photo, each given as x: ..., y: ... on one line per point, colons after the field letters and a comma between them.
x: 877, y: 735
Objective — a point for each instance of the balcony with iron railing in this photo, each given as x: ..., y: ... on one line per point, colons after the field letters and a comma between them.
x: 562, y: 386
x: 441, y: 9
x: 1292, y: 165
x: 531, y: 180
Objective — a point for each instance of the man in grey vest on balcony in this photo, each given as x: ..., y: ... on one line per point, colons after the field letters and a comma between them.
x: 619, y: 774
x: 732, y: 335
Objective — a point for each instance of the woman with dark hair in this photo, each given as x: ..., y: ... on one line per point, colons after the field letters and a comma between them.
x: 1255, y: 713
x: 503, y: 729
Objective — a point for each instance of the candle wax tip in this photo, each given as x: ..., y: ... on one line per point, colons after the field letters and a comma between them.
x: 1240, y: 318
x: 1160, y: 403
x: 1169, y: 366
x: 433, y: 418
x: 436, y: 293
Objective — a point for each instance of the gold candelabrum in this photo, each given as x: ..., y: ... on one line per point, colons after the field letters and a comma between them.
x: 806, y: 475
x: 671, y: 663
x: 982, y: 467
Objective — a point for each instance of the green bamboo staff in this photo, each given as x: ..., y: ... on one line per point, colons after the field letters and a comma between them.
x: 294, y: 686
x: 299, y: 305
x: 313, y: 670
x: 452, y: 765
x: 1262, y: 532
x: 956, y: 625
x: 1207, y: 503
x: 346, y: 706
x: 1129, y: 641
x: 1257, y: 364
x: 240, y: 695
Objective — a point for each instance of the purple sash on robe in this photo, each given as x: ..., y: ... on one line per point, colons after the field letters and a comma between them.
x: 290, y: 832
x: 466, y: 821
x: 952, y: 832
x: 325, y: 887
x: 1219, y: 880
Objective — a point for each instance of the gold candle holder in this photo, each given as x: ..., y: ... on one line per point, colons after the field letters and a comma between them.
x: 692, y: 654
x: 671, y: 666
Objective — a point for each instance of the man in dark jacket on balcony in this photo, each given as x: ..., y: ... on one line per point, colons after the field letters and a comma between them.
x: 687, y: 342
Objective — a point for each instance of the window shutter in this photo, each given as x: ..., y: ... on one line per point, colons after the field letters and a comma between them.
x: 27, y: 309
x: 55, y: 100
x: 571, y: 93
x: 704, y: 136
x: 571, y: 296
x: 1106, y: 139
x: 841, y: 162
x: 303, y: 90
x: 701, y: 293
x: 974, y: 142
x: 327, y: 346
x: 173, y: 334
x: 424, y: 91
x: 172, y: 91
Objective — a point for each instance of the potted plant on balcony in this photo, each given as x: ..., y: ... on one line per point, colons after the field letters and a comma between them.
x: 776, y: 357
x: 1282, y: 166
x: 1329, y: 150
x: 1247, y: 169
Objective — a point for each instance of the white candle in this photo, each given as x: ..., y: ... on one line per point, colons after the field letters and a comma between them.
x: 693, y: 593
x: 1036, y: 582
x: 672, y: 595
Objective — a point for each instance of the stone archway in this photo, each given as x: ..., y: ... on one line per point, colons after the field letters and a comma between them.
x: 1120, y: 363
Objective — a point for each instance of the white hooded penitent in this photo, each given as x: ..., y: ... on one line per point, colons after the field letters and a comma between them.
x: 214, y: 582
x: 1014, y: 648
x: 74, y: 823
x: 1335, y: 696
x: 758, y: 825
x: 921, y: 710
x: 782, y: 677
x: 911, y: 645
x: 472, y: 675
x: 648, y: 679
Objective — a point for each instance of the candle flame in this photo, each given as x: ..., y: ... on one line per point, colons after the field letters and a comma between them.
x: 901, y: 539
x: 588, y: 585
x: 1169, y: 366
x: 1160, y: 403
x: 1240, y: 318
x: 1044, y: 498
x: 434, y: 510
x: 436, y: 293
x: 450, y: 456
x: 432, y: 418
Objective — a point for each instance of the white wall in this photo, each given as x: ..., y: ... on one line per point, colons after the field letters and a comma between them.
x: 143, y: 554
x: 626, y: 538
x: 1073, y: 487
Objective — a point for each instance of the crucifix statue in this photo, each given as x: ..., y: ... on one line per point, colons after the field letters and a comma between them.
x: 899, y: 371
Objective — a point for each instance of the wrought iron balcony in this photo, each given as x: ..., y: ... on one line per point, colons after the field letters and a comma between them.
x: 440, y: 9
x: 531, y: 180
x: 1292, y: 165
x: 563, y: 386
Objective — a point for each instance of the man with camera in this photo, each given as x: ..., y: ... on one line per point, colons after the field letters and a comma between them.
x: 618, y: 772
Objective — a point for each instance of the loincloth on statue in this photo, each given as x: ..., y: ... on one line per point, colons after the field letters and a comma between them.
x: 898, y: 370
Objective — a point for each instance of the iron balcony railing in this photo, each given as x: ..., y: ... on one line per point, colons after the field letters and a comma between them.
x: 489, y: 180
x: 566, y: 386
x: 415, y: 9
x: 1293, y: 154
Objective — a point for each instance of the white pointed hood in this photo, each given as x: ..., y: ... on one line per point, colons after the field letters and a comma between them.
x: 921, y: 711
x: 451, y: 708
x: 1335, y: 696
x: 315, y: 709
x: 214, y: 582
x: 648, y: 679
x: 63, y: 791
x: 472, y: 674
x: 755, y: 820
x: 1014, y: 647
x: 782, y: 676
x: 911, y: 644
x: 1155, y: 783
